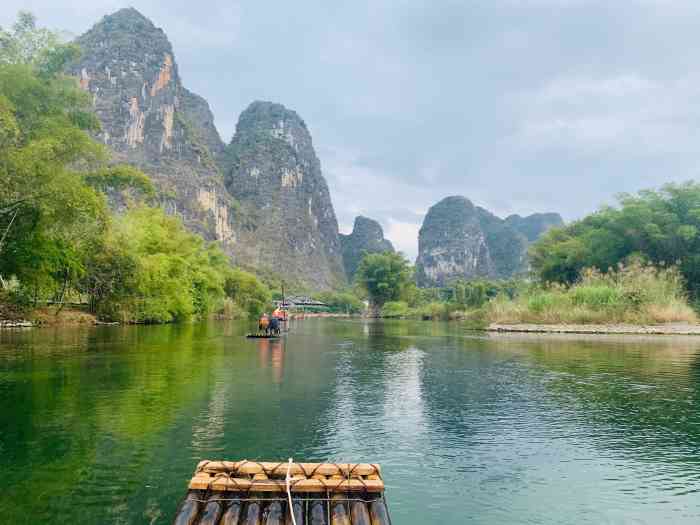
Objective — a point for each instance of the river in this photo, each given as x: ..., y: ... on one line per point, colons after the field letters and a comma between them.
x: 106, y: 424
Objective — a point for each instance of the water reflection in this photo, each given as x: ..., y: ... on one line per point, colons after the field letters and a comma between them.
x: 105, y: 425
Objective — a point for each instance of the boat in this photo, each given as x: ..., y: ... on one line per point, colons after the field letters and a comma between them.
x: 284, y: 493
x: 261, y: 335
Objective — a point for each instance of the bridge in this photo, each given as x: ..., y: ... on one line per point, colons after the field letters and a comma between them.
x: 300, y: 302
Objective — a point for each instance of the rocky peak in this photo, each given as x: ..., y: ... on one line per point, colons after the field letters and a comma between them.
x: 461, y: 241
x: 534, y: 225
x: 271, y: 168
x: 150, y: 120
x: 267, y: 119
x: 452, y: 244
x: 367, y: 237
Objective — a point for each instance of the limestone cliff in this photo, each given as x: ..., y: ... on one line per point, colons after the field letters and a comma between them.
x: 461, y: 241
x: 452, y: 244
x: 534, y: 225
x: 367, y: 237
x: 271, y: 168
x: 150, y: 120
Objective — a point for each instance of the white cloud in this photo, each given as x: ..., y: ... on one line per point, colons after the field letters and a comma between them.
x: 404, y: 237
x: 627, y: 113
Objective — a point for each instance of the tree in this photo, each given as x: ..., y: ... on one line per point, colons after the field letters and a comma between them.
x: 52, y: 173
x: 149, y: 269
x: 661, y: 226
x: 341, y: 302
x: 384, y: 276
x: 247, y: 292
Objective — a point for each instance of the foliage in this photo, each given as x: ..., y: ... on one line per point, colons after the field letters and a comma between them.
x: 58, y: 236
x: 244, y: 288
x: 661, y: 226
x: 26, y: 44
x: 53, y: 215
x: 395, y: 309
x: 384, y: 276
x: 341, y: 302
x: 149, y: 268
x: 476, y: 293
x: 121, y: 177
x: 49, y: 217
x: 635, y: 293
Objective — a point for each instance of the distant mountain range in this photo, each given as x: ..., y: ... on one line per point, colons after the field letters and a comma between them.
x: 263, y: 195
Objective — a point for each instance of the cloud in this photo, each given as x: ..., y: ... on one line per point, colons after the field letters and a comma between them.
x: 626, y: 113
x: 403, y: 236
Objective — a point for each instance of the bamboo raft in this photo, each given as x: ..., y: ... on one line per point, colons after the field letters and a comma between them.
x: 263, y: 336
x: 258, y: 493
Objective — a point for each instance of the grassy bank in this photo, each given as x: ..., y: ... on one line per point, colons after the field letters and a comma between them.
x: 633, y: 294
x: 636, y: 294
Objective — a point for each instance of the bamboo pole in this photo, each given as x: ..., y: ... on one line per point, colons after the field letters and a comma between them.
x: 274, y: 514
x: 280, y: 469
x: 233, y: 514
x: 206, y: 482
x: 378, y: 513
x: 317, y: 513
x: 252, y: 514
x: 189, y: 509
x: 339, y: 511
x: 298, y: 511
x: 212, y: 511
x: 359, y: 514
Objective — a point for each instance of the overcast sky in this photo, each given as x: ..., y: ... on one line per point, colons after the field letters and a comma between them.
x: 520, y: 105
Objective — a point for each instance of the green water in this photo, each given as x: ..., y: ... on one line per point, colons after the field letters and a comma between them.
x: 105, y: 425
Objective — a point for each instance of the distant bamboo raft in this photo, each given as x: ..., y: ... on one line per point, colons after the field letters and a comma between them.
x: 255, y: 493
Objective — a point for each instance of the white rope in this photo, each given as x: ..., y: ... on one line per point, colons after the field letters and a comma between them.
x: 289, y: 492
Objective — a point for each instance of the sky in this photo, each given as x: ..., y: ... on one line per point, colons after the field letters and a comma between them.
x: 522, y: 106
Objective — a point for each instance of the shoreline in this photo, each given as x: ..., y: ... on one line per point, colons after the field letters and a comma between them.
x: 618, y: 329
x: 71, y: 318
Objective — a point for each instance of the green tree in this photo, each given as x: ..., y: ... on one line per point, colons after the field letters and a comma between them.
x: 27, y: 44
x: 341, y: 302
x: 660, y: 226
x: 150, y: 269
x: 384, y: 277
x: 52, y: 173
x: 244, y: 288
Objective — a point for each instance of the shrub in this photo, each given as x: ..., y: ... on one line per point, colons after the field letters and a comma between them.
x: 633, y: 293
x: 395, y: 309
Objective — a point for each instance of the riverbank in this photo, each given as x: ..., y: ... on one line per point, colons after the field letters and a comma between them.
x: 618, y: 329
x: 49, y: 317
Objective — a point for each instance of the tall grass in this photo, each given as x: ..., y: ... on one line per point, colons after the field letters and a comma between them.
x: 635, y: 293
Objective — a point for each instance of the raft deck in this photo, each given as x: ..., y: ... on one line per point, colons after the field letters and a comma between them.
x: 255, y: 493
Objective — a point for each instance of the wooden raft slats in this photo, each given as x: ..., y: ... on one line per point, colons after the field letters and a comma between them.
x: 265, y: 476
x: 280, y: 469
x: 223, y: 483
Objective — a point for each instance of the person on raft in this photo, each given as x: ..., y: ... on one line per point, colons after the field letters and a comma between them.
x: 264, y: 324
x: 274, y: 326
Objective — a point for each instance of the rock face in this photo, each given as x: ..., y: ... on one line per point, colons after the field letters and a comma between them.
x: 289, y: 226
x: 534, y: 225
x: 367, y: 236
x: 151, y: 121
x: 461, y: 241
